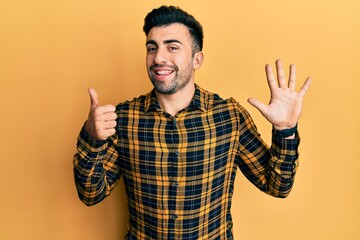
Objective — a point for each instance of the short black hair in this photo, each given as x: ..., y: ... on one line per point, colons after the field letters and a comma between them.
x: 166, y: 15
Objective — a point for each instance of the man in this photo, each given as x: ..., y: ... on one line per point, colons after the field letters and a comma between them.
x: 179, y: 146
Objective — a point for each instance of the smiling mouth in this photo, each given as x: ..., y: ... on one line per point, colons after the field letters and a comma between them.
x: 163, y: 72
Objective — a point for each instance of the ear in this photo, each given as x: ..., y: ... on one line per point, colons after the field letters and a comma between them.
x: 198, y: 59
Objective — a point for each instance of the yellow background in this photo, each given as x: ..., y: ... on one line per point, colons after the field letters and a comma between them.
x: 52, y: 51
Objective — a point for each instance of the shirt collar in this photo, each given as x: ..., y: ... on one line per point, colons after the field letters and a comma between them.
x: 200, y: 100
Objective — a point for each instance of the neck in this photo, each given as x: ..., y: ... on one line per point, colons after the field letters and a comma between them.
x: 174, y: 103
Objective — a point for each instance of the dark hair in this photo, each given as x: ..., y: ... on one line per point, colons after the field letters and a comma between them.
x: 166, y: 15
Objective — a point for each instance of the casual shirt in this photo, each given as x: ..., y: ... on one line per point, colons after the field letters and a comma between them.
x: 179, y: 171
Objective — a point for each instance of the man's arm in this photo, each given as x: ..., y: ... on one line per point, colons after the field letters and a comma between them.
x: 96, y: 169
x: 273, y: 169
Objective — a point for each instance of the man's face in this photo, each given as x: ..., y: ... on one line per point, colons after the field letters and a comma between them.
x: 169, y: 60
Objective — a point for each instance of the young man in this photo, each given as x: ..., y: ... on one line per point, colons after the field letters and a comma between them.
x: 178, y: 147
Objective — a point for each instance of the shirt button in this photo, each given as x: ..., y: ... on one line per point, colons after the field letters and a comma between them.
x: 174, y: 184
x: 177, y: 153
x: 174, y: 122
x: 174, y: 217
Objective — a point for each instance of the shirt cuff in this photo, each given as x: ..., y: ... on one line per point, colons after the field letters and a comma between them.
x: 288, y: 147
x: 286, y: 150
x: 90, y: 144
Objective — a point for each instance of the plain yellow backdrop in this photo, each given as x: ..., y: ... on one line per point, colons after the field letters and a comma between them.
x: 52, y: 51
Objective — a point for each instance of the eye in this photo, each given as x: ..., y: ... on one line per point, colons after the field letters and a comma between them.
x: 173, y: 48
x: 151, y: 49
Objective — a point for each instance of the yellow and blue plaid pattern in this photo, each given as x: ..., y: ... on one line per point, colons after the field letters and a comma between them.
x: 179, y: 171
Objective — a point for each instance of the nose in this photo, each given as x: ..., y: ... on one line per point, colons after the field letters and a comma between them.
x: 161, y: 56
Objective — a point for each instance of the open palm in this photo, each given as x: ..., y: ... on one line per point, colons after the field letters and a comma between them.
x: 284, y: 108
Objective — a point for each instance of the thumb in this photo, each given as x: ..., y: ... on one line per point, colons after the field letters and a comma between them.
x: 93, y: 98
x: 258, y: 105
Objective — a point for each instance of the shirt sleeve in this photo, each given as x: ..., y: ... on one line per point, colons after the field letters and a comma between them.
x: 96, y: 167
x: 271, y: 169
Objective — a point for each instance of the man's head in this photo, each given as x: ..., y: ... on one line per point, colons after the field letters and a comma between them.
x: 173, y: 44
x: 164, y: 16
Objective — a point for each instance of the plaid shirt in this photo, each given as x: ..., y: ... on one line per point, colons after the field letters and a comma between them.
x: 179, y: 171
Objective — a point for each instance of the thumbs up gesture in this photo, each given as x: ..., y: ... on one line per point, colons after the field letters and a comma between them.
x: 101, y: 122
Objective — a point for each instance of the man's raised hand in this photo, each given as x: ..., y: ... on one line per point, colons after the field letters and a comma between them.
x: 284, y: 108
x: 101, y: 122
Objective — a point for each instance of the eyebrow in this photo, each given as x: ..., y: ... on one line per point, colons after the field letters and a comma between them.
x: 165, y: 42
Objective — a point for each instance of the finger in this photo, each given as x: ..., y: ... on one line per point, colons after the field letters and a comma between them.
x: 258, y: 105
x: 305, y: 87
x: 105, y: 109
x: 111, y: 116
x: 110, y: 132
x: 110, y: 124
x: 270, y: 77
x: 93, y: 98
x: 108, y: 117
x: 105, y: 117
x: 280, y: 74
x: 108, y: 108
x: 292, y: 77
x: 106, y: 133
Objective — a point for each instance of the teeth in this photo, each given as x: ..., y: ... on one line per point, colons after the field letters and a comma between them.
x: 163, y: 72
